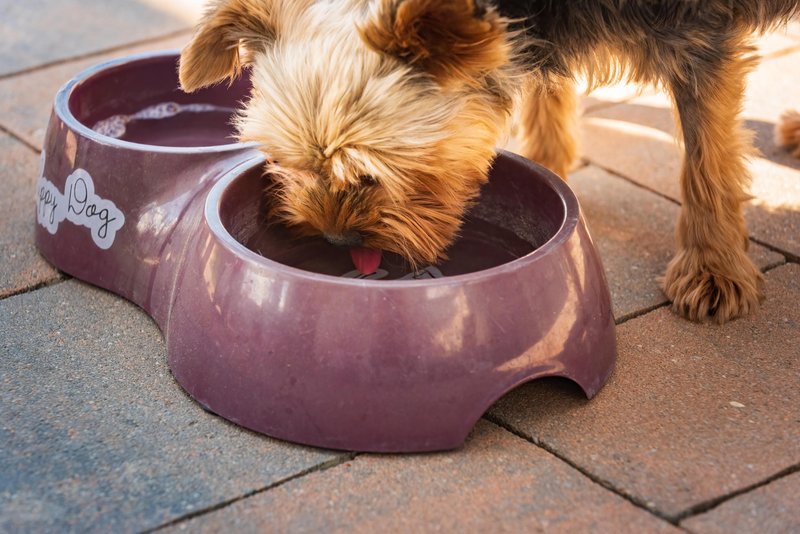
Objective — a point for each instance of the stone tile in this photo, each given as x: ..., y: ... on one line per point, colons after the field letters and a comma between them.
x: 793, y: 29
x: 774, y: 215
x: 635, y: 139
x: 692, y: 413
x: 626, y: 140
x: 26, y: 100
x: 497, y: 483
x: 772, y: 508
x: 634, y: 231
x: 37, y: 32
x: 776, y: 42
x: 21, y: 267
x: 588, y: 102
x: 95, y: 435
x: 608, y: 96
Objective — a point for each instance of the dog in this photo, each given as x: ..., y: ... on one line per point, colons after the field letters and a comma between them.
x: 380, y: 117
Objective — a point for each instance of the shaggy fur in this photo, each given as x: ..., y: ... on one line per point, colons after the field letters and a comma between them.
x: 384, y: 114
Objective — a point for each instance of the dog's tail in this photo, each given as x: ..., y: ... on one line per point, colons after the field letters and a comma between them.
x: 763, y: 15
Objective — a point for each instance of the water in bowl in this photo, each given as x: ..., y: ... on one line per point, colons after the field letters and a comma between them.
x: 481, y: 245
x: 171, y: 124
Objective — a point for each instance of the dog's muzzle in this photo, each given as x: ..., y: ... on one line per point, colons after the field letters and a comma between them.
x: 346, y: 239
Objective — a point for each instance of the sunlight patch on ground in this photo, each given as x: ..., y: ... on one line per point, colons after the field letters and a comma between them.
x: 774, y: 186
x: 187, y: 10
x: 631, y: 129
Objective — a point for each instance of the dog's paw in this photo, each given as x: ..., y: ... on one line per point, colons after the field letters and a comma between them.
x: 700, y: 293
x: 787, y: 132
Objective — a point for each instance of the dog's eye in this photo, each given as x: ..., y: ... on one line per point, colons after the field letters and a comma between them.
x: 367, y: 180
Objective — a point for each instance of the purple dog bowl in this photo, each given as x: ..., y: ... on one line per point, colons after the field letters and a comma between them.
x: 143, y: 192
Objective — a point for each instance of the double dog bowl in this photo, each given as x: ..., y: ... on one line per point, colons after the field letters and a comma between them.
x: 144, y: 192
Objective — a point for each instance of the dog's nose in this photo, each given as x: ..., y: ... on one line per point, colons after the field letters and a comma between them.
x: 345, y: 239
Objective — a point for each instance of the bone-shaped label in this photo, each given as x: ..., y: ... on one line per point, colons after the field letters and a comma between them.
x: 80, y: 205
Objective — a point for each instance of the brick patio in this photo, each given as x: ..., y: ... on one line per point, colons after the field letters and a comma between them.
x: 698, y: 429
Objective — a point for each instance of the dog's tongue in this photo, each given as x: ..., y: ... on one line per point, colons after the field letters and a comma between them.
x: 366, y: 260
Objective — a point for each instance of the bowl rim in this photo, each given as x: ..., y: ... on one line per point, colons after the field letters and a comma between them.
x: 572, y: 215
x: 62, y: 109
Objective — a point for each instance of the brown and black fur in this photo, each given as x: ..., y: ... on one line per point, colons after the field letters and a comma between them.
x: 449, y: 70
x: 700, y: 52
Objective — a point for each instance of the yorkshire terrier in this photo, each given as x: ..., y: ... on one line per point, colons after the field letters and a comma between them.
x: 384, y: 114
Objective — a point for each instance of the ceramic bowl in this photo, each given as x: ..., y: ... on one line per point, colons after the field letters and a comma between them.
x: 143, y: 192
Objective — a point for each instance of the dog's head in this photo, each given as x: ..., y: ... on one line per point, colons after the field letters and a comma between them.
x: 381, y: 115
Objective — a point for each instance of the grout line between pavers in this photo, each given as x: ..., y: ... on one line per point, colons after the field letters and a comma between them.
x: 61, y: 278
x: 621, y: 176
x: 94, y: 53
x: 15, y: 137
x: 710, y: 504
x: 324, y: 466
x: 582, y: 164
x: 640, y: 313
x: 665, y: 304
x: 785, y: 253
x: 594, y: 478
x: 773, y: 266
x: 788, y: 256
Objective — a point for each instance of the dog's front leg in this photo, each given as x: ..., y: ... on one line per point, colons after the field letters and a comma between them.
x: 711, y: 275
x: 549, y: 122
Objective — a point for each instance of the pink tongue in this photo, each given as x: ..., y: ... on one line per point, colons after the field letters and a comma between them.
x: 366, y: 260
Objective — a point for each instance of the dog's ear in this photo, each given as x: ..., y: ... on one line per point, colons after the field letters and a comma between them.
x: 213, y: 53
x: 447, y: 38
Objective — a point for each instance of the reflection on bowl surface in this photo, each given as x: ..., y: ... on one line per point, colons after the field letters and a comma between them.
x: 141, y: 102
x: 514, y: 216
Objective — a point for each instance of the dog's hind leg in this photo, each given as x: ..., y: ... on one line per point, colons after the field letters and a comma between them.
x: 549, y: 122
x: 711, y: 275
